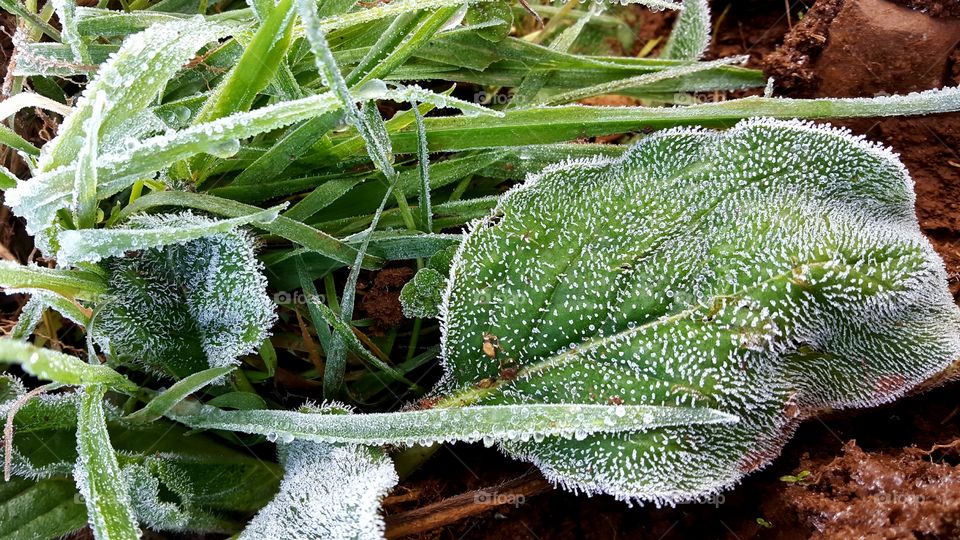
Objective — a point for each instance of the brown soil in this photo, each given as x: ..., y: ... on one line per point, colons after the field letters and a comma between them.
x: 382, y: 299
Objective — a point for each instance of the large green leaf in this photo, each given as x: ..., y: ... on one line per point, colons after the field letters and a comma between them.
x: 185, y: 307
x: 769, y: 271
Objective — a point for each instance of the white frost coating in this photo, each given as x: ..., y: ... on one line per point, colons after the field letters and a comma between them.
x: 690, y: 37
x: 328, y: 491
x: 147, y: 231
x: 769, y: 271
x: 184, y: 307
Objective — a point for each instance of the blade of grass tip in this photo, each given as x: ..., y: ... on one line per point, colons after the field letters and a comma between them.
x: 98, y: 475
x: 8, y: 137
x: 168, y: 399
x: 423, y: 166
x: 690, y: 37
x: 29, y: 318
x: 85, y: 202
x: 58, y: 367
x: 378, y: 148
x: 66, y: 12
x: 310, y: 291
x: 16, y: 8
x: 69, y: 283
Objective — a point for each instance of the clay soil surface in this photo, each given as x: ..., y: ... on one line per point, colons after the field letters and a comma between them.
x: 886, y: 473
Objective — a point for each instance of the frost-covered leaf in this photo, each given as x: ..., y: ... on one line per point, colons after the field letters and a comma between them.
x: 144, y: 232
x: 185, y: 307
x: 67, y: 283
x: 449, y: 421
x: 130, y: 79
x: 45, y: 509
x: 422, y: 295
x: 98, y: 475
x: 690, y: 37
x: 58, y: 367
x: 328, y: 491
x: 768, y: 271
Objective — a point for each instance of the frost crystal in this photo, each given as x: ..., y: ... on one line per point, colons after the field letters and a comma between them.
x: 185, y: 307
x: 769, y: 271
x: 328, y: 491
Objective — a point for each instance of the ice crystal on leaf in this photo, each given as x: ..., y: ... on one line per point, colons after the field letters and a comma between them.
x: 184, y: 307
x: 769, y: 271
x: 328, y: 491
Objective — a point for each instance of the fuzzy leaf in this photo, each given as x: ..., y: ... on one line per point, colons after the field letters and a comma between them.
x: 422, y: 295
x: 45, y: 509
x: 690, y: 37
x: 328, y: 491
x: 185, y: 307
x: 769, y: 272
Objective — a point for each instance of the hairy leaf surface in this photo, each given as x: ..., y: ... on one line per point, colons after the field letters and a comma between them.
x: 328, y: 491
x: 185, y: 307
x: 768, y: 272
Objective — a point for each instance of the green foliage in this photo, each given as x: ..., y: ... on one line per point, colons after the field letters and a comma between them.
x: 422, y: 295
x: 181, y: 308
x: 769, y: 272
x: 199, y: 125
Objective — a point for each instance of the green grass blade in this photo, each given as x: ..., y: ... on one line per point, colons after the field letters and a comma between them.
x: 69, y: 283
x: 66, y: 12
x: 423, y: 168
x: 130, y: 80
x: 255, y: 69
x: 556, y: 124
x: 472, y: 423
x: 169, y: 398
x: 58, y: 367
x: 351, y: 341
x: 92, y: 245
x: 321, y: 197
x: 14, y: 7
x: 8, y: 137
x: 294, y: 231
x: 640, y: 81
x: 85, y: 180
x: 98, y: 474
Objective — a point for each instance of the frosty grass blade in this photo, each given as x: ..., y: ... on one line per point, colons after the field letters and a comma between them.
x: 768, y: 271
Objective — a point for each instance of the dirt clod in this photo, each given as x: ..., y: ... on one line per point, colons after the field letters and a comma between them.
x: 880, y: 496
x: 382, y: 301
